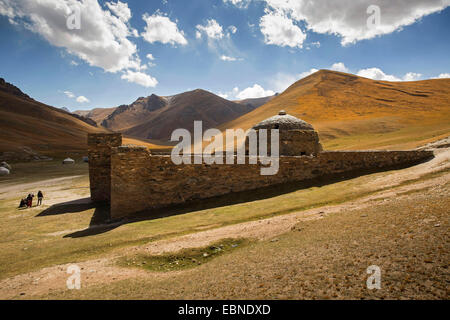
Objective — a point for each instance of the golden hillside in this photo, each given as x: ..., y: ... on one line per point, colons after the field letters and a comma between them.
x: 352, y: 112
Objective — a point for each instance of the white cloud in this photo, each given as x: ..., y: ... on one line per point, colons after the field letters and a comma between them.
x: 160, y: 28
x: 339, y: 66
x: 120, y: 9
x: 101, y: 41
x: 140, y: 78
x: 150, y: 57
x: 279, y: 30
x: 254, y: 92
x: 412, y: 76
x: 376, y: 74
x: 232, y: 29
x: 348, y: 18
x: 228, y: 58
x: 242, y: 4
x: 307, y: 73
x: 82, y: 99
x: 223, y: 95
x: 212, y: 29
x: 443, y: 76
x: 69, y: 94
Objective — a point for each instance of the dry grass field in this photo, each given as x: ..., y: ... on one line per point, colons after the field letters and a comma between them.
x: 296, y: 244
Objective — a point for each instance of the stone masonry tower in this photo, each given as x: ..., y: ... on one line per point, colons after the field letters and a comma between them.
x: 297, y: 137
x: 99, y: 145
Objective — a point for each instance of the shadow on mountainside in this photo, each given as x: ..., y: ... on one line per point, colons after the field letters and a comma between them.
x: 101, y: 222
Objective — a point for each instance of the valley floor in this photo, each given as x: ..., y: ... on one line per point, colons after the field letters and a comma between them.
x: 314, y: 243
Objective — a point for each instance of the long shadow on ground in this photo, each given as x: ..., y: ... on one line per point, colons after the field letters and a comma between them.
x: 101, y: 222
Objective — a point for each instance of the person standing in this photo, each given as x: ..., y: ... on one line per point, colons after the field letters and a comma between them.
x: 40, y: 196
x: 29, y: 201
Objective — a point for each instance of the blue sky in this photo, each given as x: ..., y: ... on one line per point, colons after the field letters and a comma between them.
x: 235, y: 48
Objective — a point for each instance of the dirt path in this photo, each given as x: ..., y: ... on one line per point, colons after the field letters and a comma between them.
x: 95, y: 272
x: 8, y: 189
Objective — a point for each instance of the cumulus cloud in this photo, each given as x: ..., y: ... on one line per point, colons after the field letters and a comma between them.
x: 223, y: 95
x: 254, y: 92
x: 279, y: 30
x: 212, y: 29
x: 412, y: 76
x: 150, y: 57
x: 376, y: 74
x: 79, y: 99
x: 443, y: 76
x: 82, y: 99
x: 339, y: 66
x: 140, y: 78
x: 102, y: 39
x: 120, y: 9
x: 160, y: 28
x: 348, y: 18
x: 242, y: 4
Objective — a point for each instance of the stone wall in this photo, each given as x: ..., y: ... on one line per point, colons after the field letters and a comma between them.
x: 293, y: 142
x: 141, y: 181
x: 99, y: 150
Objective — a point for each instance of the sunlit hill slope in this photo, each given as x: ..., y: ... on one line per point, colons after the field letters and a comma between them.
x: 352, y: 112
x: 27, y: 124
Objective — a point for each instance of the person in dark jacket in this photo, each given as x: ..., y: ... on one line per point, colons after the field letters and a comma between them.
x: 30, y: 200
x: 40, y: 196
x: 23, y: 203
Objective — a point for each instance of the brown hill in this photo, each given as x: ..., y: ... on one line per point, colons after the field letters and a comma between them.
x: 157, y: 117
x: 97, y: 114
x: 30, y: 127
x: 256, y: 102
x: 352, y: 112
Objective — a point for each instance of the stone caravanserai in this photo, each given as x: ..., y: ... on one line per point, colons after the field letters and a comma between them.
x: 132, y: 180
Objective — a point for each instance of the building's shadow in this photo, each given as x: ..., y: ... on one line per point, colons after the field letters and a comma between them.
x: 101, y: 222
x: 78, y: 205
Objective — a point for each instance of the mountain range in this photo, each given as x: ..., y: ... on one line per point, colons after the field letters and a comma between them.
x: 348, y: 111
x: 156, y: 117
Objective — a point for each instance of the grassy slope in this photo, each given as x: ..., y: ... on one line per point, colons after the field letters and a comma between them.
x: 320, y: 259
x: 43, y: 128
x: 29, y: 242
x: 351, y: 112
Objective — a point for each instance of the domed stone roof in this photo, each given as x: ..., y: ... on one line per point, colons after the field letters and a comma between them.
x: 283, y: 121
